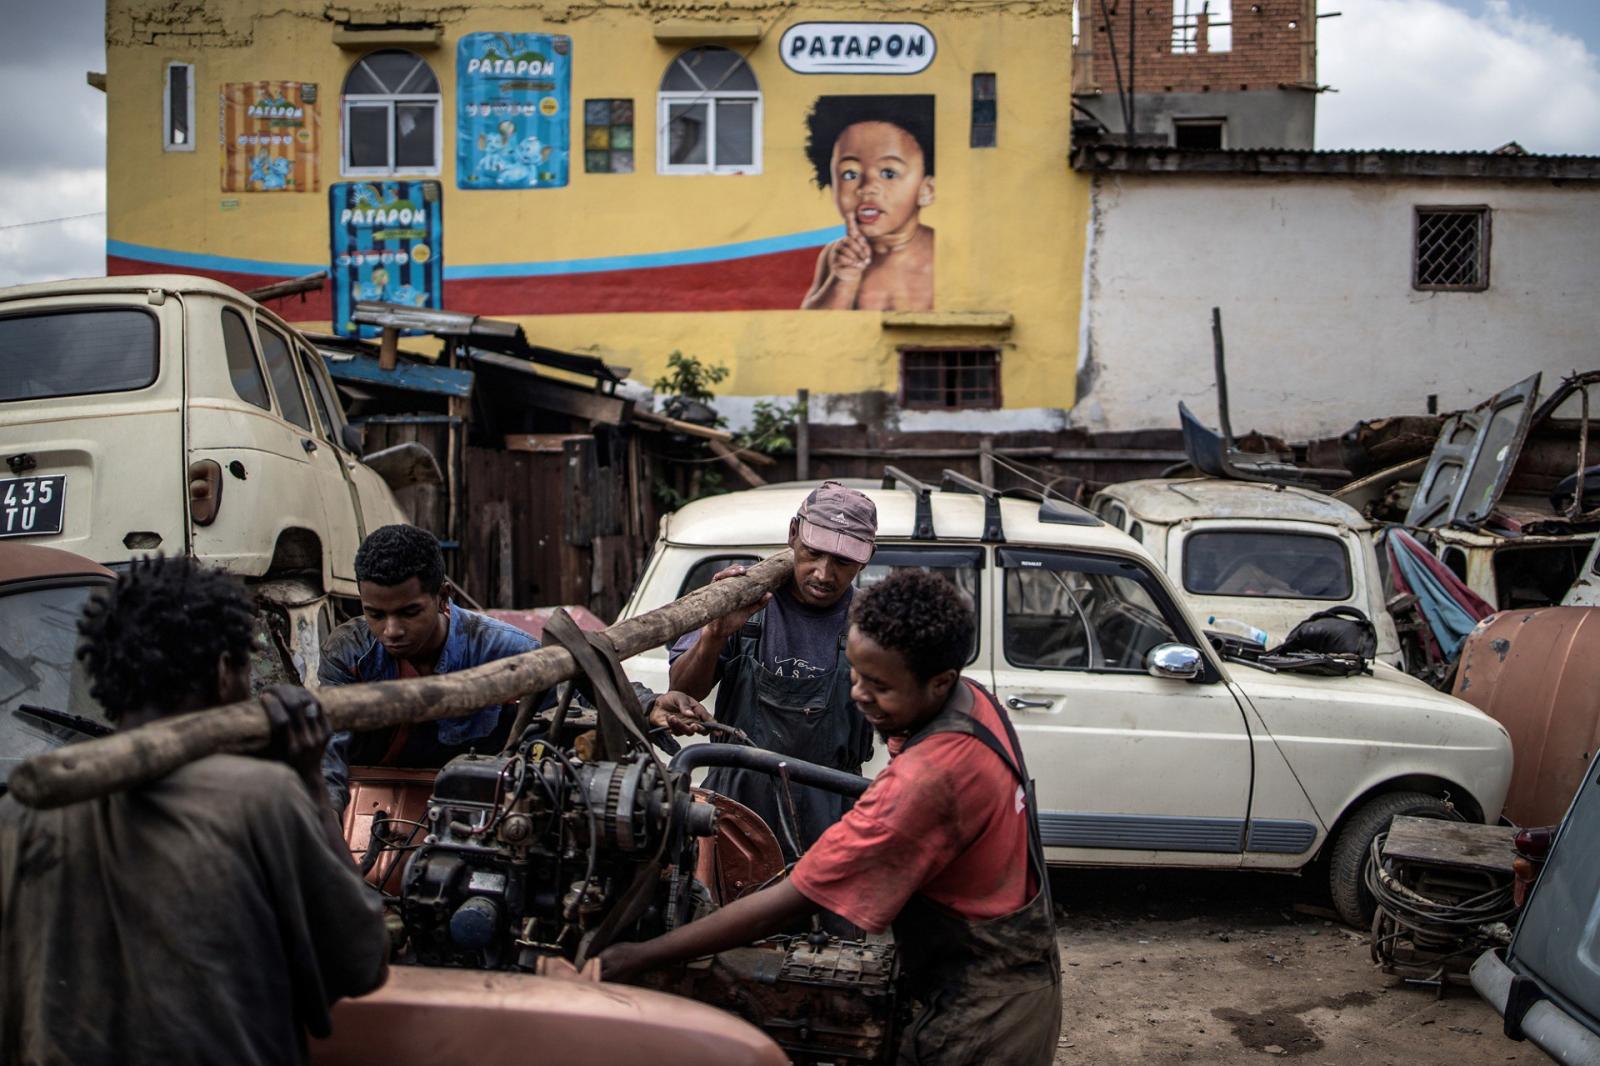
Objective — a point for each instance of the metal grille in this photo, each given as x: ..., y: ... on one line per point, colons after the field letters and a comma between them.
x: 1452, y: 247
x: 950, y: 378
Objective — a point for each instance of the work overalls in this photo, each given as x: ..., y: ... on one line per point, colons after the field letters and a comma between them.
x: 812, y: 719
x: 990, y: 990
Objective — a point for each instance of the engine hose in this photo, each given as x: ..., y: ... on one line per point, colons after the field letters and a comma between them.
x: 761, y: 761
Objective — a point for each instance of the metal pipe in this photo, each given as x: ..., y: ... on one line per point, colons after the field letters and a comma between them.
x: 761, y: 761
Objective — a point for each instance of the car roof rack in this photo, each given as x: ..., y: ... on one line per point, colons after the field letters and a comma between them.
x: 993, y: 531
x: 922, y: 528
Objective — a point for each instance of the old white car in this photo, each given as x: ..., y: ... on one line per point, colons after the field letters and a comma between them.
x: 175, y: 414
x: 1149, y: 749
x: 1266, y: 555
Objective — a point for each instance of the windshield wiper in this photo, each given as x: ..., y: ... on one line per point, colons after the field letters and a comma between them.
x: 76, y: 722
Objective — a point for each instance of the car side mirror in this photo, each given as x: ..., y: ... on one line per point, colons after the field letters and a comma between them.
x: 354, y: 438
x: 1179, y: 662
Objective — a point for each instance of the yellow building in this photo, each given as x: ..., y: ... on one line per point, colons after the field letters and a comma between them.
x: 634, y: 179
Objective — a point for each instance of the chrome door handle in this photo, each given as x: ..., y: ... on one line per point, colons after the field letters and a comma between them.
x: 1017, y: 703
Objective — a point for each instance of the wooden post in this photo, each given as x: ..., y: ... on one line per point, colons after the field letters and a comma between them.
x: 135, y: 756
x: 986, y: 461
x: 389, y: 349
x: 802, y: 436
x: 727, y: 455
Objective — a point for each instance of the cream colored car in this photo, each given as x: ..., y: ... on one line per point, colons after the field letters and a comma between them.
x: 174, y: 414
x: 1147, y: 747
x: 1266, y: 555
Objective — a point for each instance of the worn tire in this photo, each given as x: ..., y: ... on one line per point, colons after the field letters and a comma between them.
x: 1347, y: 866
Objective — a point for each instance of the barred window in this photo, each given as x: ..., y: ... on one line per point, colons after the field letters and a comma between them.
x: 944, y: 378
x: 1451, y: 249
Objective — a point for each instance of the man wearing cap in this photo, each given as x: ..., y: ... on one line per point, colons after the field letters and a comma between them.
x: 784, y: 678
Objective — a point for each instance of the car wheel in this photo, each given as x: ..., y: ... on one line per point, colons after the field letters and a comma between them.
x: 1351, y: 849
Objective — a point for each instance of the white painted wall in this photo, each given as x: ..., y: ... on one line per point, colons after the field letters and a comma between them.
x: 1313, y: 276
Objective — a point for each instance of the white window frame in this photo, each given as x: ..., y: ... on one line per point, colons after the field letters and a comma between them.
x: 388, y: 103
x: 167, y: 144
x: 666, y: 100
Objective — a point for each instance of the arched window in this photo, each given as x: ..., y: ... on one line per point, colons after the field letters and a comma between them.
x: 709, y: 115
x: 391, y: 116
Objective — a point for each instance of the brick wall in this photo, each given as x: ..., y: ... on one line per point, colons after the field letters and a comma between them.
x: 1274, y: 43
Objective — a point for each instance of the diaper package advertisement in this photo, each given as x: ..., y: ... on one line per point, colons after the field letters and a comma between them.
x: 513, y: 110
x: 388, y: 245
x: 269, y: 137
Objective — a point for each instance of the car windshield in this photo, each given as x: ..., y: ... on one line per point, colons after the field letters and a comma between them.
x: 1266, y: 563
x: 1558, y: 939
x: 44, y: 694
x: 75, y: 353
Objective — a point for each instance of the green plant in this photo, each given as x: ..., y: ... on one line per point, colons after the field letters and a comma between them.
x: 688, y: 377
x: 772, y: 427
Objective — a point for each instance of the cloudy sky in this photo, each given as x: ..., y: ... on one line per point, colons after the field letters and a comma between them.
x: 1431, y: 74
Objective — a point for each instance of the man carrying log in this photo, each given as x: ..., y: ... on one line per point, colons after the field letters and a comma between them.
x: 943, y: 846
x: 783, y: 674
x: 211, y: 915
x: 410, y: 628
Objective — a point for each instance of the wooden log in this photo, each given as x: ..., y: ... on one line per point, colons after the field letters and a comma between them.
x: 728, y: 456
x: 126, y: 759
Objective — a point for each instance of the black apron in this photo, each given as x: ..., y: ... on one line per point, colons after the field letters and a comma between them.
x: 990, y: 990
x: 812, y: 719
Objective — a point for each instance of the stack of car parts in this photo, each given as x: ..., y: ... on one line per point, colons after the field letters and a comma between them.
x: 1444, y: 895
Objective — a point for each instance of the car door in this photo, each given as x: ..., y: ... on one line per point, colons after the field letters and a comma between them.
x: 346, y: 517
x: 321, y: 478
x: 1130, y: 768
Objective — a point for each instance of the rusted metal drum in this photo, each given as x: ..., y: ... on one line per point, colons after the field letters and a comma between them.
x: 1537, y: 672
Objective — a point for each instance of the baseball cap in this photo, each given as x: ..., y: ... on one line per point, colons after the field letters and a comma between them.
x: 839, y: 521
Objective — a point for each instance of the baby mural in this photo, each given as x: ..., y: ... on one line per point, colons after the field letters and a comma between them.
x: 876, y: 155
x: 513, y: 95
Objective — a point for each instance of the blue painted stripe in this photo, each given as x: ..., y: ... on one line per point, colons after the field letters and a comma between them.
x: 199, y: 261
x: 683, y: 257
x: 1137, y: 832
x: 719, y: 253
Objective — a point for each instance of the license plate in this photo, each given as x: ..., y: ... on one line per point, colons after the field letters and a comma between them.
x: 32, y: 506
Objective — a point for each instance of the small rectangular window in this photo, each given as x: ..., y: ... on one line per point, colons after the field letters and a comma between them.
x: 984, y: 111
x: 285, y: 382
x: 943, y: 379
x: 243, y: 369
x: 1298, y: 566
x: 608, y: 136
x: 1450, y: 249
x: 177, y: 99
x: 1200, y: 133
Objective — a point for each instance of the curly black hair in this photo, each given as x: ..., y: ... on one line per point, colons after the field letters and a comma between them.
x: 393, y: 555
x: 154, y: 638
x: 831, y: 115
x: 920, y: 615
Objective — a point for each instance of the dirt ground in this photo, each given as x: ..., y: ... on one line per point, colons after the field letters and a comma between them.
x: 1176, y: 967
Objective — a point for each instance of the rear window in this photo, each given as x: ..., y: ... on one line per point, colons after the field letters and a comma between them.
x: 76, y: 353
x: 1302, y: 566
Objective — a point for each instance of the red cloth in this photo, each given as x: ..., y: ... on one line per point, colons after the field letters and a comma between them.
x: 947, y: 819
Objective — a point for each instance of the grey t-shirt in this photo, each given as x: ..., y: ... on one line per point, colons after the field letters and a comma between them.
x: 796, y: 641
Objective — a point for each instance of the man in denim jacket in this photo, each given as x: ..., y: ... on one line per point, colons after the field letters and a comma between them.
x: 409, y: 628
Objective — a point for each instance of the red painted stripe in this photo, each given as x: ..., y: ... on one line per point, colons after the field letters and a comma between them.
x: 759, y: 283
x: 778, y: 281
x: 312, y: 307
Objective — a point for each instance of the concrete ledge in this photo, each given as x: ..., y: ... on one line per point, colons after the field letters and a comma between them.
x: 381, y: 37
x: 688, y: 31
x: 990, y: 320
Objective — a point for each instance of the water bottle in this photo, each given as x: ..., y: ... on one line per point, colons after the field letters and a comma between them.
x: 1235, y: 628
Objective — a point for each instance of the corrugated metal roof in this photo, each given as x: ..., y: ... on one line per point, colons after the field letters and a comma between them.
x: 1353, y: 162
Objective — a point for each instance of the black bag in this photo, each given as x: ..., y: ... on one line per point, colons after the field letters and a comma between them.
x: 1336, y: 631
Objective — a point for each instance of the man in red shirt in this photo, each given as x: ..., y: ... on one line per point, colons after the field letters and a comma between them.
x: 944, y: 846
